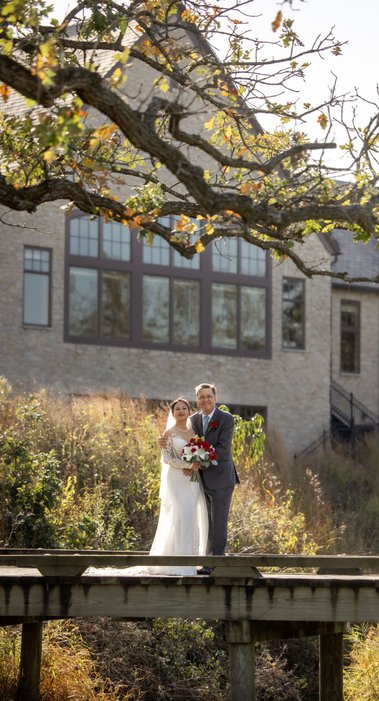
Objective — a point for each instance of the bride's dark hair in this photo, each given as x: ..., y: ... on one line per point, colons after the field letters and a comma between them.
x: 180, y: 399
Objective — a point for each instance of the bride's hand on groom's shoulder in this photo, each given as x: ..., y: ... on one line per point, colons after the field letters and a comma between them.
x: 163, y: 440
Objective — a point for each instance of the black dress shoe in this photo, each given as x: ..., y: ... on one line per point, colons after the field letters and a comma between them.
x: 205, y: 570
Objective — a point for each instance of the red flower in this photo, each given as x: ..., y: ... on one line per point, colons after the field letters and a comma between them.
x: 214, y: 424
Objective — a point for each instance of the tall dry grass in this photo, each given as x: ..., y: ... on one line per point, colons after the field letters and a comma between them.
x: 337, y: 489
x: 68, y: 671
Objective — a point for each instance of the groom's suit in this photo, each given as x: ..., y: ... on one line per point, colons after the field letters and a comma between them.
x: 218, y: 480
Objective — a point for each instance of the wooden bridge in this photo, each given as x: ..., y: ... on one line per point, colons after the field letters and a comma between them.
x: 258, y: 598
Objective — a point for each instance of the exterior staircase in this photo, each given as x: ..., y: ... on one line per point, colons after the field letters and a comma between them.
x: 350, y: 419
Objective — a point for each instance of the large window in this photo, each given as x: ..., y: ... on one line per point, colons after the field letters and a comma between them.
x: 293, y: 314
x: 37, y: 287
x: 350, y: 336
x: 121, y: 290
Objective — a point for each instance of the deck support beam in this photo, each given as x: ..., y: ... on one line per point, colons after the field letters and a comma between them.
x: 30, y: 663
x: 331, y: 667
x: 240, y: 636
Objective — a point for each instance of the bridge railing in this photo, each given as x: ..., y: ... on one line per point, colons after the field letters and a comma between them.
x: 75, y: 563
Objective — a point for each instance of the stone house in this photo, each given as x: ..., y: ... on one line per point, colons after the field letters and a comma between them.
x: 355, y: 334
x: 87, y: 308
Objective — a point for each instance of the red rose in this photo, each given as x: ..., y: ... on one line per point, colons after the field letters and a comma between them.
x: 214, y: 424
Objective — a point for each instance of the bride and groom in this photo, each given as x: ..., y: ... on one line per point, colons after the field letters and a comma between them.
x: 193, y: 517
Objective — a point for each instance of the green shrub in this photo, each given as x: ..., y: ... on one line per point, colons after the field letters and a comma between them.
x: 29, y: 489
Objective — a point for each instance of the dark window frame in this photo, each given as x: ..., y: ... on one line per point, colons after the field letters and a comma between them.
x: 29, y: 324
x: 204, y: 274
x: 356, y: 330
x: 301, y: 347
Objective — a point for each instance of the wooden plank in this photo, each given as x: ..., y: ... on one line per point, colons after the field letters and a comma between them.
x: 61, y: 562
x: 331, y: 667
x: 276, y: 598
x: 265, y: 631
x: 30, y: 663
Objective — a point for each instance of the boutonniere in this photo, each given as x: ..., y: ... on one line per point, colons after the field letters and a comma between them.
x: 214, y: 424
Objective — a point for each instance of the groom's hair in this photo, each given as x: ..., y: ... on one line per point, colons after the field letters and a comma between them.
x: 205, y: 385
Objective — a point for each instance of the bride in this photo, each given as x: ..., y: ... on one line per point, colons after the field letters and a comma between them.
x: 183, y: 521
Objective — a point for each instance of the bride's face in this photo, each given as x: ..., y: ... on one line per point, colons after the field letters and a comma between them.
x: 180, y: 411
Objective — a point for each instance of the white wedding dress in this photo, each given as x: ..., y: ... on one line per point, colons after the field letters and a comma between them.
x: 183, y: 520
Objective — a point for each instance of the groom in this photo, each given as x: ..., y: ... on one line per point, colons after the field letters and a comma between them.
x: 218, y: 480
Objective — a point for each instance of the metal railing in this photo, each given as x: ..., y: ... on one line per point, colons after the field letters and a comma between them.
x: 350, y: 410
x: 321, y: 441
x: 355, y: 418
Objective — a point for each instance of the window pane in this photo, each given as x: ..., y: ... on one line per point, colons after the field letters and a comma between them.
x: 84, y: 236
x: 115, y: 304
x: 293, y: 313
x: 186, y: 312
x: 83, y: 302
x: 155, y: 309
x: 116, y: 241
x: 36, y: 259
x: 158, y: 253
x: 224, y: 316
x: 253, y: 318
x: 225, y: 256
x: 350, y: 336
x: 253, y: 260
x: 36, y: 299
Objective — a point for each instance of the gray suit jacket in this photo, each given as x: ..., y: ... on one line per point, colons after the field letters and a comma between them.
x: 223, y: 474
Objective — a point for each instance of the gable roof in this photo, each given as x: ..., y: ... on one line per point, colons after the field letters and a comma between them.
x: 357, y: 259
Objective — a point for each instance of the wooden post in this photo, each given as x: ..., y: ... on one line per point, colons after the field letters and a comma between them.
x: 240, y: 637
x: 331, y: 667
x: 30, y: 663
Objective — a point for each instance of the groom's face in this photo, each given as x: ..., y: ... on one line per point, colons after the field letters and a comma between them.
x: 206, y: 400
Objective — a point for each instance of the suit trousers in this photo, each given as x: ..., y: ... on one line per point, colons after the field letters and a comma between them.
x: 218, y: 505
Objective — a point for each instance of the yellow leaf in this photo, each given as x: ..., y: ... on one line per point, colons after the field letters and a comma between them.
x: 49, y: 156
x: 277, y: 21
x: 94, y: 142
x: 163, y: 85
x: 125, y: 55
x: 105, y: 131
x: 87, y: 162
x: 45, y: 49
x: 199, y: 246
x: 246, y: 188
x: 209, y: 125
x: 4, y: 91
x: 322, y: 120
x: 117, y: 76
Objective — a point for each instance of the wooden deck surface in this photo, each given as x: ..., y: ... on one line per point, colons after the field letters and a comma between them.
x: 274, y: 596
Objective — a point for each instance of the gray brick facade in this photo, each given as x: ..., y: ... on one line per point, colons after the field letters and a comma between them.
x: 293, y: 385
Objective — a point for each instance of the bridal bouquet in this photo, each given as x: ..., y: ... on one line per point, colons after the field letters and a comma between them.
x: 199, y: 450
